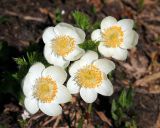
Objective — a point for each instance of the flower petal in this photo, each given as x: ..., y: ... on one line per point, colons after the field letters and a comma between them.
x: 128, y: 39
x: 72, y: 86
x: 105, y: 51
x: 81, y: 34
x: 96, y: 35
x: 106, y: 88
x: 31, y: 105
x: 56, y: 72
x: 88, y: 95
x: 50, y: 109
x: 136, y: 37
x: 86, y: 59
x: 108, y: 22
x: 48, y: 35
x: 37, y: 68
x: 89, y: 57
x: 75, y: 55
x: 63, y: 95
x: 104, y: 65
x: 126, y: 24
x: 28, y: 84
x: 120, y: 54
x: 54, y: 59
x: 69, y: 30
x: 75, y: 67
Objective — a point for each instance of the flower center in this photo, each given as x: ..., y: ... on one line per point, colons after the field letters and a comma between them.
x: 89, y: 77
x: 45, y: 89
x: 113, y: 36
x: 63, y: 45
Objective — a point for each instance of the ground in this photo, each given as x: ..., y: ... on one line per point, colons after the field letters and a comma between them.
x: 22, y: 23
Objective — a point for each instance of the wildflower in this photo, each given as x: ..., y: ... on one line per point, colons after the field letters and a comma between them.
x: 44, y: 89
x: 25, y: 115
x: 89, y: 77
x: 61, y: 44
x: 115, y: 37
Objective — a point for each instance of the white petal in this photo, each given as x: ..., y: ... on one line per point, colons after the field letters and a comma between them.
x: 104, y: 65
x: 31, y: 105
x: 128, y: 39
x: 54, y: 59
x: 88, y: 95
x: 120, y: 54
x: 48, y: 35
x: 136, y: 37
x: 50, y: 109
x: 75, y: 55
x: 106, y: 88
x: 63, y: 95
x: 105, y: 51
x: 89, y: 57
x: 75, y: 67
x: 28, y: 84
x: 96, y: 35
x: 86, y: 59
x: 69, y: 30
x: 81, y: 34
x: 37, y: 68
x: 56, y: 72
x: 72, y: 86
x: 126, y: 24
x: 108, y: 22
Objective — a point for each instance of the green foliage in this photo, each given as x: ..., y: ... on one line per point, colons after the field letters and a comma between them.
x: 120, y: 109
x: 80, y: 122
x: 82, y: 20
x: 58, y: 15
x: 89, y: 45
x: 26, y: 61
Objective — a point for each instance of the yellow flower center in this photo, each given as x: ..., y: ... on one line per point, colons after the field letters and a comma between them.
x: 89, y: 77
x: 45, y: 89
x: 113, y: 36
x: 63, y: 45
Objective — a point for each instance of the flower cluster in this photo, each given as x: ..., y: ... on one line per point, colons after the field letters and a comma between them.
x: 45, y: 88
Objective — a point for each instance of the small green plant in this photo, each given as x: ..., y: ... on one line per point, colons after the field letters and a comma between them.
x: 120, y: 109
x: 82, y: 20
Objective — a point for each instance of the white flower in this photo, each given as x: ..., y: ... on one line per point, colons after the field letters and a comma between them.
x: 89, y: 77
x: 25, y: 115
x: 61, y: 44
x: 115, y: 37
x: 44, y: 89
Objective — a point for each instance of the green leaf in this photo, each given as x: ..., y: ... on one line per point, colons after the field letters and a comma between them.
x: 123, y: 98
x: 130, y: 95
x: 58, y: 15
x: 80, y: 122
x: 89, y: 45
x: 82, y: 20
x: 113, y: 110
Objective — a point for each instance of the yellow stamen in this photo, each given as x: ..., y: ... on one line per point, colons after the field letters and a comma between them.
x: 45, y: 89
x: 63, y: 45
x: 89, y: 77
x: 113, y: 36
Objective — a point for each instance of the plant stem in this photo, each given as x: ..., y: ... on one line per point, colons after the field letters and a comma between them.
x: 90, y: 108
